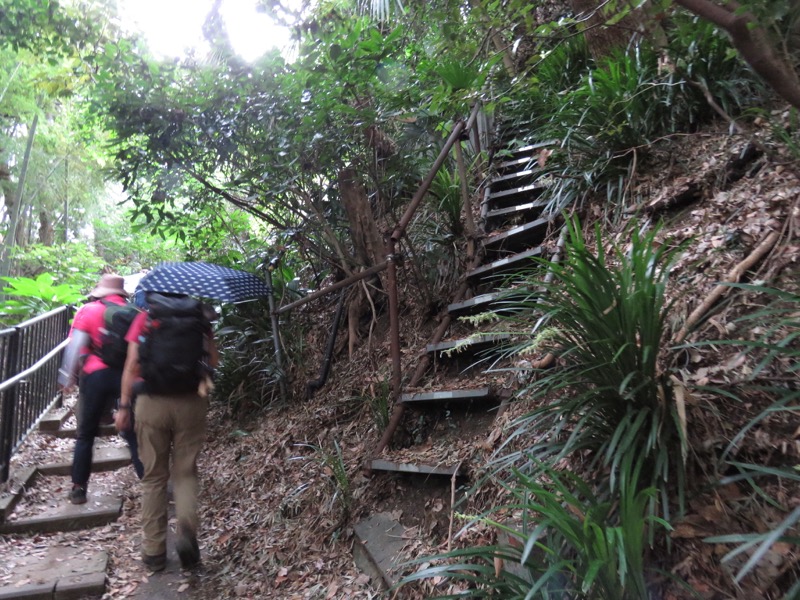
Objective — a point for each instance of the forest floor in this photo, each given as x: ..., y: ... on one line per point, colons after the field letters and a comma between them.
x: 277, y: 514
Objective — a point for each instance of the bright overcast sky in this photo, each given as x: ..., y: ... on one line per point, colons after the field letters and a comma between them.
x: 171, y: 26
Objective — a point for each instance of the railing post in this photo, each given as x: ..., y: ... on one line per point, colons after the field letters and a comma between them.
x: 8, y: 399
x: 394, y: 316
x: 276, y: 338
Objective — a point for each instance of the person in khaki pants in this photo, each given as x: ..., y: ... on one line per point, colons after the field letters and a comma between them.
x: 173, y: 423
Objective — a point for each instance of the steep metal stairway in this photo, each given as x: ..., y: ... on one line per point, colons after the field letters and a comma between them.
x: 447, y: 419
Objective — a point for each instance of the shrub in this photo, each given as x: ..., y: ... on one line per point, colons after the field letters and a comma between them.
x: 608, y: 396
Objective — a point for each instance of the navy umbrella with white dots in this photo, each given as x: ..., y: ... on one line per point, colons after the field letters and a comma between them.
x: 203, y: 280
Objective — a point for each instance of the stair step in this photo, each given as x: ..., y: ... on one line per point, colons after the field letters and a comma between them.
x: 60, y: 573
x: 484, y: 393
x: 502, y: 302
x: 513, y: 165
x: 419, y: 468
x: 10, y: 499
x: 72, y: 432
x: 503, y: 215
x: 472, y: 343
x: 63, y: 516
x: 378, y: 548
x: 107, y: 458
x: 54, y: 419
x: 512, y: 179
x: 514, y: 196
x: 515, y: 151
x: 516, y: 262
x: 519, y: 238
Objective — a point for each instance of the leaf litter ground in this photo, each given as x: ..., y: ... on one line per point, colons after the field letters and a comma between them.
x: 277, y: 515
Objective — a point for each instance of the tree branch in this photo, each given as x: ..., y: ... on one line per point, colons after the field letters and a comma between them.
x: 752, y: 42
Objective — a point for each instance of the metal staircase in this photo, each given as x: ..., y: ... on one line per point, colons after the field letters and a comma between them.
x: 461, y: 394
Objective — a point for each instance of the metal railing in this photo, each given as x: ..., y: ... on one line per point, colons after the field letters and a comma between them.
x: 30, y: 355
x: 461, y: 129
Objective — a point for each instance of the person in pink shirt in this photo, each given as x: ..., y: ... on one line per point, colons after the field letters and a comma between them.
x: 98, y: 384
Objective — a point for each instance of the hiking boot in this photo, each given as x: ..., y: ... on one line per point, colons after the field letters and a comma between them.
x: 155, y: 563
x: 187, y: 548
x: 78, y: 494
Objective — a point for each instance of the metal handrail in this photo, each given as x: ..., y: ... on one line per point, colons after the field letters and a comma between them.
x: 29, y: 361
x: 9, y: 383
x: 460, y: 127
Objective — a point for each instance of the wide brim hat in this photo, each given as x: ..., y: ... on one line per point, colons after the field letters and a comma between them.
x: 109, y: 285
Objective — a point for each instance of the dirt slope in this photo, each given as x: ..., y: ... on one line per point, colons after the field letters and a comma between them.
x: 277, y: 512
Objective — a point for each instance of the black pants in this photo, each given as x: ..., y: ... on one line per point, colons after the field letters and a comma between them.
x: 130, y: 435
x: 98, y: 396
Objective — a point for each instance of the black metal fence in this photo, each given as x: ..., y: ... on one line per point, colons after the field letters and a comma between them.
x: 30, y: 355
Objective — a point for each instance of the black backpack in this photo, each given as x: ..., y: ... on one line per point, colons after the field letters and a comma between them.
x: 172, y: 352
x: 117, y: 319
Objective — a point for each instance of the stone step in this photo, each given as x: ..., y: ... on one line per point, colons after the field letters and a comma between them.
x: 54, y: 419
x: 104, y: 458
x: 379, y: 543
x: 61, y: 515
x: 501, y: 268
x: 72, y: 432
x: 60, y: 573
x: 484, y: 393
x: 9, y: 499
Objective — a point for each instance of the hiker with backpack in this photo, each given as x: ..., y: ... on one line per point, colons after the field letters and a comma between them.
x: 94, y: 358
x: 172, y: 351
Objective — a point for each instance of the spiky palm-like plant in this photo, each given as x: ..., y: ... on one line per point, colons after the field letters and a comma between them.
x: 608, y: 394
x: 566, y: 542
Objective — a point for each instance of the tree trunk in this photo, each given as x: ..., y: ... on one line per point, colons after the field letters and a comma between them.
x: 753, y: 43
x: 14, y: 212
x: 500, y: 45
x: 601, y: 38
x: 367, y: 240
x: 368, y: 248
x: 46, y: 232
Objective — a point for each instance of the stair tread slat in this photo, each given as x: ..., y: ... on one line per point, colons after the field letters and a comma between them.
x: 468, y: 394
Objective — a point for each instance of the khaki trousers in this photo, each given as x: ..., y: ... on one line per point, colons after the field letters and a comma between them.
x: 164, y: 424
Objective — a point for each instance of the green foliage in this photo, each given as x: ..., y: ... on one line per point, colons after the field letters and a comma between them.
x: 446, y: 190
x: 610, y: 395
x: 248, y: 373
x: 28, y: 297
x: 73, y: 263
x: 780, y: 321
x: 333, y: 465
x: 775, y: 349
x: 564, y: 541
x: 602, y: 115
x: 379, y: 405
x: 129, y: 247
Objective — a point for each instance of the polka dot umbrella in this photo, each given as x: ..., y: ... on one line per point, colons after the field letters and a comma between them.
x: 203, y: 280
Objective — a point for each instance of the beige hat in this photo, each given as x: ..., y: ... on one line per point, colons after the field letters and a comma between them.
x: 109, y: 285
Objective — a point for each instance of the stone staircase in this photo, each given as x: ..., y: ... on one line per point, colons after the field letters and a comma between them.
x: 448, y: 417
x: 39, y: 558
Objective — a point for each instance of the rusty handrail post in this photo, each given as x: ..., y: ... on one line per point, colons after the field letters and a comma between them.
x: 276, y: 337
x: 394, y: 324
x: 332, y: 288
x: 394, y: 317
